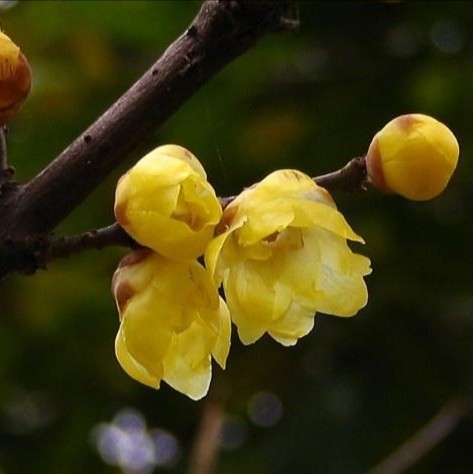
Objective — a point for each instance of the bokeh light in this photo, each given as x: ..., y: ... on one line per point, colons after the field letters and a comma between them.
x: 265, y: 409
x: 126, y: 442
x: 233, y: 434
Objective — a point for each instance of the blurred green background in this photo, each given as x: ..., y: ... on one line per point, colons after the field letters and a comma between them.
x: 354, y: 389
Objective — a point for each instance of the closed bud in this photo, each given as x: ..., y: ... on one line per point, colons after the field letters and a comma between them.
x: 166, y: 203
x: 414, y: 155
x: 15, y: 78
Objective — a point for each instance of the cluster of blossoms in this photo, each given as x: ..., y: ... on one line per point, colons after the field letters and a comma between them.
x: 279, y: 250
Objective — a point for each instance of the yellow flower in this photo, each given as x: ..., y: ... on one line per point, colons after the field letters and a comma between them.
x: 413, y: 155
x: 171, y: 322
x: 15, y: 78
x: 283, y: 256
x: 165, y: 203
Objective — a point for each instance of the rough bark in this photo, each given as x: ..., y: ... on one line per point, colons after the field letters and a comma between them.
x: 221, y: 31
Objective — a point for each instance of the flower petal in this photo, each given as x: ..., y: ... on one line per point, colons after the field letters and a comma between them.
x: 222, y: 343
x: 340, y: 285
x: 186, y: 366
x: 296, y: 322
x: 133, y: 368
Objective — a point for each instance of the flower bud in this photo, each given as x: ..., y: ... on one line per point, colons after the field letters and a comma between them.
x: 166, y: 203
x: 414, y: 155
x: 15, y: 78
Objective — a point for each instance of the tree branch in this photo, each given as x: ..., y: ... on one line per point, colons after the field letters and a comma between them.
x: 416, y: 447
x: 27, y: 255
x: 352, y: 177
x: 63, y: 247
x: 222, y: 31
x: 205, y: 449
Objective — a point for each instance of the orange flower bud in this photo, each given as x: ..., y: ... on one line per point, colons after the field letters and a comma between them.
x: 15, y: 78
x: 414, y: 155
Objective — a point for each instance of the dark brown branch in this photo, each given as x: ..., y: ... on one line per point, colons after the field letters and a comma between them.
x: 222, y: 31
x: 28, y: 255
x: 416, y: 447
x: 63, y: 247
x: 352, y: 177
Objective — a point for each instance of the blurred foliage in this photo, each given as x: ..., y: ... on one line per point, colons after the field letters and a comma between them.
x: 353, y: 390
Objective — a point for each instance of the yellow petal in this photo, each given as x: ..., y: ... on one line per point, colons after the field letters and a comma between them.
x: 179, y: 152
x: 222, y: 343
x: 133, y: 368
x: 249, y: 331
x: 296, y: 322
x: 212, y: 255
x: 340, y: 287
x: 147, y: 330
x: 270, y: 207
x: 169, y: 237
x: 251, y: 299
x: 187, y: 366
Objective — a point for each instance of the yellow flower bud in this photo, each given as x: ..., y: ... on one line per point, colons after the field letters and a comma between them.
x: 166, y: 203
x: 15, y: 78
x: 282, y: 255
x: 172, y: 321
x: 413, y: 155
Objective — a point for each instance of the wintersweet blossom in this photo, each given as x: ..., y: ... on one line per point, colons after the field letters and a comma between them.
x: 15, y: 78
x: 282, y: 255
x: 166, y: 203
x: 172, y: 321
x: 414, y: 155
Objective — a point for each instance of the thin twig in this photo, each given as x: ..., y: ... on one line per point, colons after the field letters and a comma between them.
x: 25, y: 256
x: 350, y: 178
x: 95, y: 239
x: 204, y: 455
x: 416, y: 447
